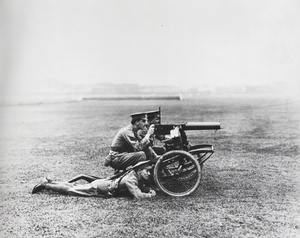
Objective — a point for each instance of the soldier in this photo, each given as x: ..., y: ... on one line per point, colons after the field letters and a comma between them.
x: 126, y: 148
x: 131, y: 183
x: 153, y: 119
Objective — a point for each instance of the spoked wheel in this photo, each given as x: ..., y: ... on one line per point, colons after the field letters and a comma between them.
x: 177, y: 173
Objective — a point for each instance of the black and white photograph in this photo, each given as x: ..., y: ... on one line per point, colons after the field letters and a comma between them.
x: 150, y: 119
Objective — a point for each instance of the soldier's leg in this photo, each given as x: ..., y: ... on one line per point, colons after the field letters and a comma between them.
x: 86, y: 190
x: 128, y: 159
x: 60, y: 187
x: 151, y: 155
x: 88, y: 178
x: 159, y: 150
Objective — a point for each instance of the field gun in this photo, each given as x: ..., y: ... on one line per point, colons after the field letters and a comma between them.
x: 178, y: 167
x: 178, y: 171
x: 177, y: 138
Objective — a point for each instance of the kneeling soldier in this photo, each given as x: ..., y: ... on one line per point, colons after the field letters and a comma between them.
x: 127, y: 149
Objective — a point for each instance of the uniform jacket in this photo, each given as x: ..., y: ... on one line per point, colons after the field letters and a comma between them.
x: 129, y: 183
x: 127, y: 140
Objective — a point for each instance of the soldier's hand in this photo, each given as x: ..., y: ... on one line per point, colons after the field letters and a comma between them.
x: 152, y: 192
x: 151, y: 130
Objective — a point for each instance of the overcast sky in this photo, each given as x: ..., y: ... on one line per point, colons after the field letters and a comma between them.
x: 149, y: 42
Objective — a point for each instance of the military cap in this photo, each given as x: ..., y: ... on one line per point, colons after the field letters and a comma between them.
x: 142, y: 165
x: 153, y: 114
x: 139, y: 115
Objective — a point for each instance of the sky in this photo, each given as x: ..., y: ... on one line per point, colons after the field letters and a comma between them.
x: 157, y: 42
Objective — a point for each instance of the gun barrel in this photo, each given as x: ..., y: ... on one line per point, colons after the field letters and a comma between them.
x: 202, y: 126
x: 165, y: 128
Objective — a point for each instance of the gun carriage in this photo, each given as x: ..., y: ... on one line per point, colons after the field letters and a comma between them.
x: 178, y: 171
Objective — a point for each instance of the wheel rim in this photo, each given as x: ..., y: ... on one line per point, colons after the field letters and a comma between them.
x: 177, y: 173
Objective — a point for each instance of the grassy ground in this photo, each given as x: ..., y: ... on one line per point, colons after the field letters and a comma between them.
x: 250, y: 186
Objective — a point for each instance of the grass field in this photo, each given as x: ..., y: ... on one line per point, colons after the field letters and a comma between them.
x: 250, y: 187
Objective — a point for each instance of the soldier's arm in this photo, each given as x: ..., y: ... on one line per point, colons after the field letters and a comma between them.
x: 132, y: 185
x: 141, y: 134
x: 134, y: 143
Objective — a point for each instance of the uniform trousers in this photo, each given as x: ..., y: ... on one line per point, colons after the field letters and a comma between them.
x: 124, y: 160
x: 99, y: 188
